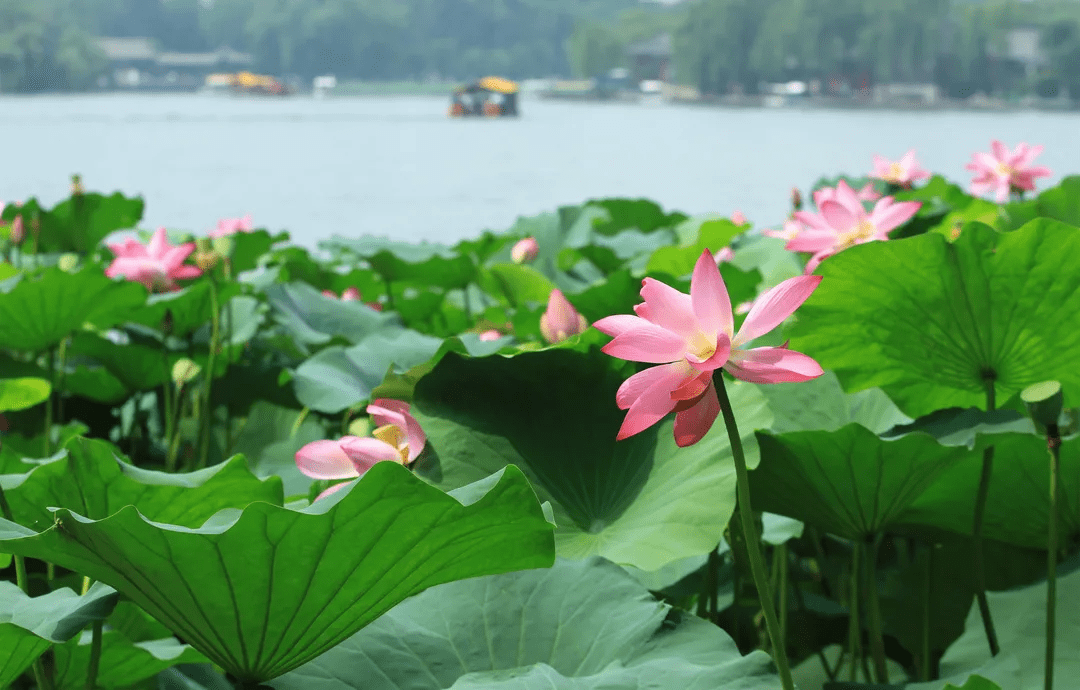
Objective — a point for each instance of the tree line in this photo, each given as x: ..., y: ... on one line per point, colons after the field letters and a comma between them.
x: 720, y: 46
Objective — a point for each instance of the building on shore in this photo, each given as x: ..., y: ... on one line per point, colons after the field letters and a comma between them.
x: 136, y: 64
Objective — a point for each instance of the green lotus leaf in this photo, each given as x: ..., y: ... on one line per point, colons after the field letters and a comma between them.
x: 263, y: 591
x: 21, y: 393
x: 1018, y: 504
x: 642, y: 214
x: 123, y: 663
x: 92, y: 479
x: 1020, y: 619
x: 43, y: 309
x: 848, y: 482
x: 822, y: 404
x: 933, y: 323
x: 642, y: 501
x: 314, y: 319
x: 29, y: 626
x: 188, y: 308
x: 1061, y: 202
x: 679, y: 261
x: 518, y: 284
x: 80, y: 223
x: 578, y: 626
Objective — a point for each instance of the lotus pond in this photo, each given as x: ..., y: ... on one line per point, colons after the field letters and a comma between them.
x: 232, y: 462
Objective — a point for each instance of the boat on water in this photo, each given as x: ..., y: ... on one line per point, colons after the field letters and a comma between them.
x: 487, y: 97
x: 247, y: 83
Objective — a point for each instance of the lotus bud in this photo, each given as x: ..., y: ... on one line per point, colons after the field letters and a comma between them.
x: 223, y: 245
x: 488, y: 336
x: 525, y: 250
x: 1044, y: 402
x: 796, y: 199
x: 185, y: 371
x: 18, y: 232
x: 561, y: 320
x: 68, y: 262
x: 76, y: 185
x: 738, y: 218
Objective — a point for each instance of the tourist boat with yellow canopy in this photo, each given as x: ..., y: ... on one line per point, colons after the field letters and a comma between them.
x: 487, y: 97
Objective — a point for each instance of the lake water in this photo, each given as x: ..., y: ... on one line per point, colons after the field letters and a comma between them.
x: 400, y: 167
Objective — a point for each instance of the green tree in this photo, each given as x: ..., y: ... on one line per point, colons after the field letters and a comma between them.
x: 594, y: 49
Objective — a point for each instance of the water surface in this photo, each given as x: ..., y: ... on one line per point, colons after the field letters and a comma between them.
x: 398, y: 166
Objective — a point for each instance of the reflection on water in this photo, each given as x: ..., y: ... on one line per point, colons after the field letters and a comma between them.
x: 398, y: 166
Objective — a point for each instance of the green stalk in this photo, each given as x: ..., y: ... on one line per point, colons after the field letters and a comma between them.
x: 1053, y: 439
x: 780, y: 552
x: 166, y: 395
x: 49, y: 403
x: 709, y: 584
x: 753, y: 542
x: 299, y: 421
x: 928, y: 585
x: 174, y: 440
x: 206, y: 408
x: 95, y: 656
x: 877, y: 637
x: 854, y: 627
x: 977, y: 538
x: 61, y: 367
x: 228, y: 343
x: 389, y: 293
x: 40, y: 678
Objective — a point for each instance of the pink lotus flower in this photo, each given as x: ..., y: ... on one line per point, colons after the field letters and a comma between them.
x: 864, y: 193
x: 738, y: 218
x: 901, y: 173
x: 791, y: 229
x: 1005, y: 171
x: 561, y: 320
x: 351, y: 294
x: 488, y: 336
x: 843, y: 222
x: 398, y: 438
x: 157, y: 264
x: 693, y: 336
x: 18, y: 231
x: 231, y: 226
x: 724, y: 255
x: 525, y: 250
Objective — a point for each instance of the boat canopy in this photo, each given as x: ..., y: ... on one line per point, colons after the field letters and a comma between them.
x: 492, y: 84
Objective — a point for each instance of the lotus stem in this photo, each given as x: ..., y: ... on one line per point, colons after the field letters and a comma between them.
x: 206, y: 409
x: 927, y: 589
x: 854, y: 626
x: 709, y: 583
x: 389, y: 293
x: 1053, y: 441
x: 95, y: 655
x: 877, y: 637
x: 780, y: 553
x: 23, y: 582
x: 977, y: 537
x: 753, y: 542
x: 47, y: 440
x: 61, y: 372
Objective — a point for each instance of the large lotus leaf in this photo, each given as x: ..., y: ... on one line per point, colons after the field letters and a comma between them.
x: 578, y: 626
x: 123, y: 663
x: 679, y: 261
x: 960, y: 427
x: 642, y: 214
x: 1020, y: 620
x: 80, y: 223
x: 1060, y: 203
x: 188, y: 308
x: 641, y: 501
x: 517, y: 283
x: 29, y: 626
x: 265, y: 590
x: 932, y: 322
x: 419, y: 264
x: 136, y: 365
x: 44, y: 309
x: 1017, y: 507
x: 93, y: 480
x: 21, y: 393
x: 822, y: 404
x: 338, y: 378
x: 313, y: 318
x: 848, y: 482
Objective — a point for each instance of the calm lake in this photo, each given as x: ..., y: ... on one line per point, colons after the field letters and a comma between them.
x: 399, y: 167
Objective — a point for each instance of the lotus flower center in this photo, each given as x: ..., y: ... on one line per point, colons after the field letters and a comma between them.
x: 701, y: 346
x: 394, y: 436
x: 862, y: 232
x: 896, y: 173
x: 1004, y: 169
